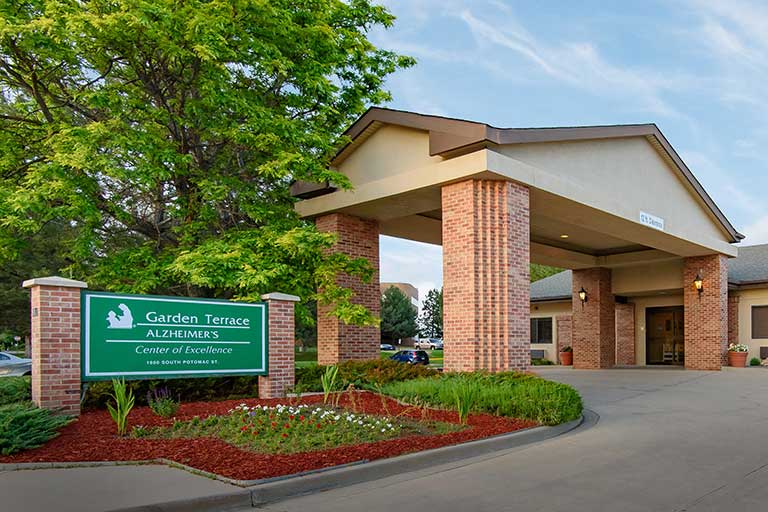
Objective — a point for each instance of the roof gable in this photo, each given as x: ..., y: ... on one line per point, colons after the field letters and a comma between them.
x: 449, y: 137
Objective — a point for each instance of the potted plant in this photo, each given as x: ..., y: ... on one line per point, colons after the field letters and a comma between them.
x: 737, y: 355
x: 566, y: 356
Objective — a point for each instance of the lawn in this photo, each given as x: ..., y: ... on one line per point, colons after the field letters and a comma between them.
x: 294, y: 428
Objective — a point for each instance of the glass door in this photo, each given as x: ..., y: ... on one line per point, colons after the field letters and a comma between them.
x: 664, y: 340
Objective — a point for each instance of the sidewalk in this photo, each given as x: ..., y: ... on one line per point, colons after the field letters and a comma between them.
x: 101, y: 488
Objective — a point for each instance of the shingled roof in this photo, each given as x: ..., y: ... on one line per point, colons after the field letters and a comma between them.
x: 750, y: 268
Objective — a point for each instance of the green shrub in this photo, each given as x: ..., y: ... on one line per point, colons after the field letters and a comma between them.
x: 124, y: 400
x: 23, y: 427
x: 206, y: 389
x: 505, y: 394
x: 162, y: 402
x: 755, y: 361
x: 464, y: 394
x: 363, y: 374
x: 328, y: 381
x: 541, y: 362
x: 15, y: 389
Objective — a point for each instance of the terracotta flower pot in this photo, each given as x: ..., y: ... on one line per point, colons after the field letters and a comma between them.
x: 566, y: 358
x: 737, y: 359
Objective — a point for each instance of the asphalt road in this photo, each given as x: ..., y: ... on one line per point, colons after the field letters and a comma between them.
x: 665, y: 440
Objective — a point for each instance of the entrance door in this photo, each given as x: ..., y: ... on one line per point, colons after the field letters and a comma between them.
x: 664, y: 340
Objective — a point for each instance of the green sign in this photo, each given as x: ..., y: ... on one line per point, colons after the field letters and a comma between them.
x: 149, y: 336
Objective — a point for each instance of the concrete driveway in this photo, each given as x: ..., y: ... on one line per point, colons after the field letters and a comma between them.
x: 665, y: 440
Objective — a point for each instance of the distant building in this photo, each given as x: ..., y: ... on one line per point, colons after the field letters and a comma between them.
x: 408, y: 289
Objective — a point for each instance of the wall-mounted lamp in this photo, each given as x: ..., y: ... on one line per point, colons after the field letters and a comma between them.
x: 583, y: 295
x: 698, y: 283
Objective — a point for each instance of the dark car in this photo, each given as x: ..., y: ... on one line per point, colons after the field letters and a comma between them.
x: 387, y: 346
x: 411, y: 357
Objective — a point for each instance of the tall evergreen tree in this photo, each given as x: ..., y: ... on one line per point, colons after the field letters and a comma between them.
x: 431, y: 320
x: 398, y: 315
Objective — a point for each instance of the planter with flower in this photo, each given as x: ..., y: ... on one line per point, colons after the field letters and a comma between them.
x: 737, y: 355
x: 566, y: 356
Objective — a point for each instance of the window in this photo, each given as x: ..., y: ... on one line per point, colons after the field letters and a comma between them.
x: 760, y: 321
x: 541, y: 330
x: 4, y: 357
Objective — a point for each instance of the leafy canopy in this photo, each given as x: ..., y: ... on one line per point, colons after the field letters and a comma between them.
x: 166, y: 134
x: 398, y: 315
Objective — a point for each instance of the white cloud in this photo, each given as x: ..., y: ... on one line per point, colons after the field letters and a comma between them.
x: 578, y: 64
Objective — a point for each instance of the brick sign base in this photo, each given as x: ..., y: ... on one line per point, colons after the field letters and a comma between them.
x: 56, y: 373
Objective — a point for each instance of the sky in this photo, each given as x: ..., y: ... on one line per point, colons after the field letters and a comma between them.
x: 696, y: 68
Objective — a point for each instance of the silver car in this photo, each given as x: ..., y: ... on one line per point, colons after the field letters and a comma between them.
x: 10, y: 365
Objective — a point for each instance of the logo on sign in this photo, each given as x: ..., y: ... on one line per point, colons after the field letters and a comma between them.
x: 652, y: 221
x: 120, y: 321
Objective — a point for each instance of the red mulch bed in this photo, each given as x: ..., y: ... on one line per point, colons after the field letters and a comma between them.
x: 92, y: 438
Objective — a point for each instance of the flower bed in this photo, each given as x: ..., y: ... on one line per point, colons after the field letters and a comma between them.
x: 92, y: 437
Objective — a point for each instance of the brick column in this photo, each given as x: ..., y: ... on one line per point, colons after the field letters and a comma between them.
x: 706, y: 313
x: 564, y: 333
x: 733, y: 318
x: 625, y: 334
x: 594, y: 321
x: 337, y: 341
x: 56, y: 343
x: 486, y: 283
x: 281, y: 366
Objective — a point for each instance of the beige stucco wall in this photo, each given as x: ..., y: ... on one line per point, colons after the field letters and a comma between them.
x: 641, y: 304
x: 641, y: 279
x: 389, y: 151
x: 630, y: 169
x: 553, y: 309
x: 747, y: 299
x: 549, y: 309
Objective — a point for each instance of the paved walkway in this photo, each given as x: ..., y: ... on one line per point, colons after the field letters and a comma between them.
x: 100, y: 488
x: 666, y: 440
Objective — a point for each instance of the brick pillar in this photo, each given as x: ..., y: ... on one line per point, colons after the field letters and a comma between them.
x: 486, y: 283
x: 564, y: 333
x: 594, y: 321
x: 337, y: 341
x: 733, y: 318
x: 706, y: 313
x: 625, y: 334
x: 56, y: 343
x: 280, y: 376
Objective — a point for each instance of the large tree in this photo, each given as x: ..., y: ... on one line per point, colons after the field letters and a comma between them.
x: 166, y: 134
x: 431, y: 319
x: 398, y: 315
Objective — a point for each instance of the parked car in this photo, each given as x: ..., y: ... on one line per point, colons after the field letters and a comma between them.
x: 10, y: 365
x: 411, y: 357
x: 430, y: 343
x: 387, y: 346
